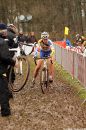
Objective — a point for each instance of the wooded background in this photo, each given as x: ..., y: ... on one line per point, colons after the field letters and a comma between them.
x: 47, y: 15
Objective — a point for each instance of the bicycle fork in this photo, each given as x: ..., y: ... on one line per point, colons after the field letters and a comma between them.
x: 19, y: 69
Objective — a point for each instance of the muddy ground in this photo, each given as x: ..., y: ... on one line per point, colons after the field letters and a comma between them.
x: 59, y: 109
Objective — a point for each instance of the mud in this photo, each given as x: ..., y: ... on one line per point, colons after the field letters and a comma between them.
x: 59, y: 109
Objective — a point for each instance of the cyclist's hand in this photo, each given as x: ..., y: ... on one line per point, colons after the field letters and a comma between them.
x: 16, y: 65
x: 34, y: 57
x: 52, y: 52
x: 14, y: 58
x: 35, y: 44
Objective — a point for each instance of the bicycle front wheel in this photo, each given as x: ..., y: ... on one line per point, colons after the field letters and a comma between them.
x: 21, y: 74
x: 44, y: 80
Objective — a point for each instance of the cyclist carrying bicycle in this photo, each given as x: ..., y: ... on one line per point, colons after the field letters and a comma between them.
x: 5, y: 61
x: 45, y: 49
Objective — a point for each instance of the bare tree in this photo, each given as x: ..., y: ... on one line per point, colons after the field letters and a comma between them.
x: 49, y: 15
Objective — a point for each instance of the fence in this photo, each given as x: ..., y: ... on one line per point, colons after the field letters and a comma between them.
x: 73, y: 62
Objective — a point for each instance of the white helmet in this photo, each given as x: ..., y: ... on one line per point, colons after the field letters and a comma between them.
x: 44, y: 35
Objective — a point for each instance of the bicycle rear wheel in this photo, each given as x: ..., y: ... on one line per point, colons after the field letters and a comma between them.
x: 21, y: 74
x: 44, y: 80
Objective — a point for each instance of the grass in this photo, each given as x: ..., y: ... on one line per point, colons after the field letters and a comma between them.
x: 65, y: 77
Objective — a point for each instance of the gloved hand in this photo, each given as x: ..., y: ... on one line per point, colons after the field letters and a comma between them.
x: 52, y: 52
x: 35, y: 43
x: 34, y: 57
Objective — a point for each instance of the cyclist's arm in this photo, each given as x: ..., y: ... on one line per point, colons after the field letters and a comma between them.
x: 37, y: 50
x: 52, y: 48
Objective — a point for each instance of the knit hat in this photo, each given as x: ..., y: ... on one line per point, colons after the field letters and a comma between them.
x: 3, y: 26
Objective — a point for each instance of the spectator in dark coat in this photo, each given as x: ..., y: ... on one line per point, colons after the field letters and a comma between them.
x: 32, y: 38
x: 5, y: 60
x: 21, y: 37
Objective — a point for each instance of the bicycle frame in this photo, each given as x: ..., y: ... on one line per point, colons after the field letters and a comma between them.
x: 21, y: 72
x: 44, y: 73
x: 45, y: 63
x: 44, y: 79
x: 17, y: 56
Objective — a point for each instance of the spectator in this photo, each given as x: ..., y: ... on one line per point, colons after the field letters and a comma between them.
x: 68, y: 43
x: 26, y: 37
x: 32, y: 38
x: 79, y: 39
x: 21, y: 37
x: 79, y: 47
x: 5, y: 60
x: 11, y: 35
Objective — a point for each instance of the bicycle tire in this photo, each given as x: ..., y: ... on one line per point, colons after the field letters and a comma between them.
x: 44, y: 80
x: 14, y: 86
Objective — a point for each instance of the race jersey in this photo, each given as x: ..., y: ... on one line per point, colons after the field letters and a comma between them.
x: 45, y: 47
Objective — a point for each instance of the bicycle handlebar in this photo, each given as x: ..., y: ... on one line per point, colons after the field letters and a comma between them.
x: 21, y: 43
x: 41, y: 58
x: 31, y: 44
x: 26, y: 44
x: 34, y: 45
x: 13, y: 49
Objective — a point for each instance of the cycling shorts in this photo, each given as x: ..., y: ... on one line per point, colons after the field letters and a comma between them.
x: 45, y: 53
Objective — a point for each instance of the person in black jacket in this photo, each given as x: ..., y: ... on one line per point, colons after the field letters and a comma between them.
x: 5, y: 61
x: 32, y: 38
x: 11, y: 35
x: 21, y: 37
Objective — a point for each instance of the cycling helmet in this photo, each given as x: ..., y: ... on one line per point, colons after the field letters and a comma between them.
x: 44, y: 35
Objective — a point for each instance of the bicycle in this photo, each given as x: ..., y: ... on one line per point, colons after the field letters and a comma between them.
x: 44, y: 74
x: 21, y: 71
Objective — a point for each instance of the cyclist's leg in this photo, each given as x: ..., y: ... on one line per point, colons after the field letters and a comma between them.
x: 51, y: 69
x: 39, y: 63
x: 38, y: 66
x: 17, y: 69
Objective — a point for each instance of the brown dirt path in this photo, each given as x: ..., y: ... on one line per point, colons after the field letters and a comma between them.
x: 57, y: 110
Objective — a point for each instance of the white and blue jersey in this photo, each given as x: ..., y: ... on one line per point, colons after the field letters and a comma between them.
x: 45, y: 49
